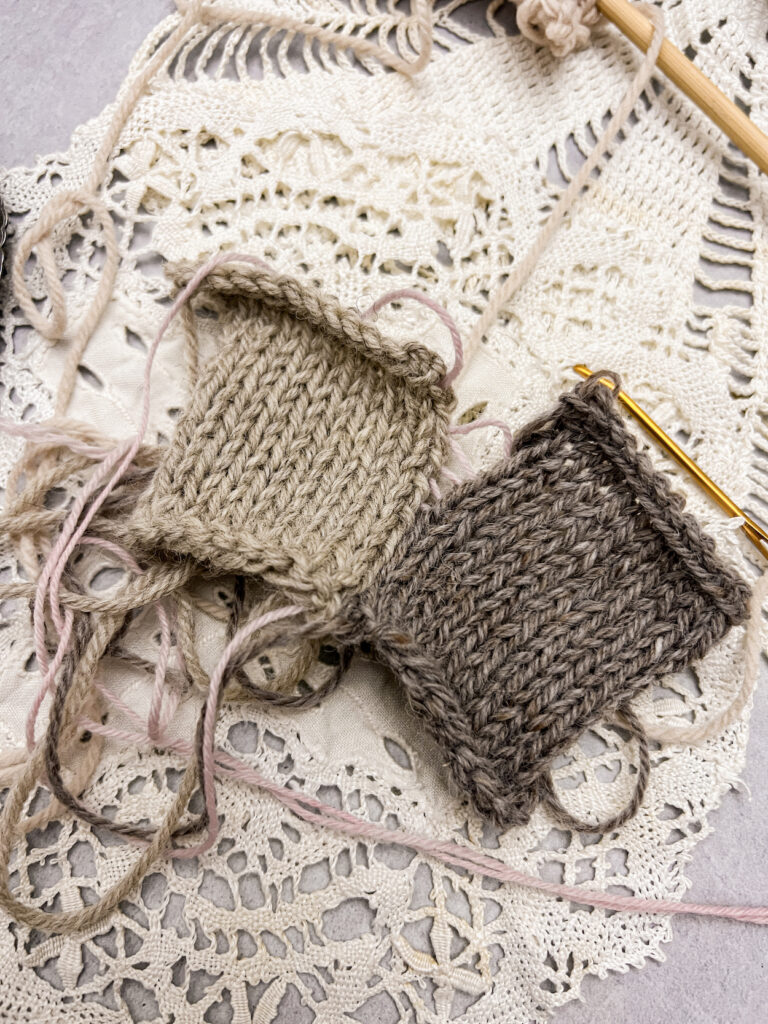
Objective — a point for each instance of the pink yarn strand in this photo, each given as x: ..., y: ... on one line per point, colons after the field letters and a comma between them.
x: 40, y: 434
x: 443, y: 315
x: 121, y: 553
x: 467, y: 428
x: 49, y: 675
x: 474, y: 860
x: 315, y: 812
x: 461, y: 458
x: 49, y: 672
x: 129, y: 712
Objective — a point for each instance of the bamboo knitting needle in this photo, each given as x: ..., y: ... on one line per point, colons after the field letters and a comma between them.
x: 687, y: 77
x: 756, y: 533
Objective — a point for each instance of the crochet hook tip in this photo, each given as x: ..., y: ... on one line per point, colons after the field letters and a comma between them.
x: 756, y: 534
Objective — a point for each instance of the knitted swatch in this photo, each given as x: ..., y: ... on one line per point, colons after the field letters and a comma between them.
x: 543, y: 596
x: 308, y: 445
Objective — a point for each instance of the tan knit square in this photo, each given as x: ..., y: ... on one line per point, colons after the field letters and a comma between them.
x: 307, y: 447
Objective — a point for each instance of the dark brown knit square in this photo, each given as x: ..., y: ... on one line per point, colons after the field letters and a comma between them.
x: 308, y: 444
x: 542, y: 596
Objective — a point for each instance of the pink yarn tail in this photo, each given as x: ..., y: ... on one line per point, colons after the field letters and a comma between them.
x: 315, y: 812
x: 467, y: 428
x: 443, y: 315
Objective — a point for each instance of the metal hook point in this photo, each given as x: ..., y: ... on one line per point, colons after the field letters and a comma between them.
x: 757, y: 535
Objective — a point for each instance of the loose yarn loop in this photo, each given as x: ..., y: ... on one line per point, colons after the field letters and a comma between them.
x: 33, y: 917
x: 561, y: 25
x: 64, y: 206
x: 626, y: 717
x: 445, y: 318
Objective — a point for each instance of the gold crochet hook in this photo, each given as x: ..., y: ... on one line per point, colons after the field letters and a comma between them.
x: 756, y: 533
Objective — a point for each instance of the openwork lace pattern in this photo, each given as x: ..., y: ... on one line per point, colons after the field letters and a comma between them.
x: 341, y: 173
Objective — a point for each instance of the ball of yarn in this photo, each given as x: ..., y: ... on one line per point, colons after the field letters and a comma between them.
x: 561, y: 25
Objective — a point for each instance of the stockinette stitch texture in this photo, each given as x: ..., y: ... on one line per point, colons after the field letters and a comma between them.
x: 308, y: 445
x: 543, y: 596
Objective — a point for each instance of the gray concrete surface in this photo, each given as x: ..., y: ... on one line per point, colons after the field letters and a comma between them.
x: 61, y: 61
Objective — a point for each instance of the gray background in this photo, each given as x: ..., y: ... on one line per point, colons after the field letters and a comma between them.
x: 61, y: 62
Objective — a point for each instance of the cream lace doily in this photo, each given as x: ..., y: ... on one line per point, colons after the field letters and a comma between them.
x: 363, y: 181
